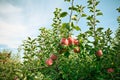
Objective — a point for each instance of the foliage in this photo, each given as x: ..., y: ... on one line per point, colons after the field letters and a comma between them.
x: 8, y: 66
x: 90, y: 55
x: 83, y: 65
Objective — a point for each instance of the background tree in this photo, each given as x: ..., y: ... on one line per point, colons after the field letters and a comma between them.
x: 9, y: 66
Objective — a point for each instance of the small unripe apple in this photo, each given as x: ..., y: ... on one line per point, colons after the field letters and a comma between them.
x: 99, y: 53
x: 64, y: 41
x: 53, y: 57
x: 49, y: 62
x: 70, y: 40
x: 76, y: 49
x: 110, y: 70
x: 76, y: 42
x: 74, y: 17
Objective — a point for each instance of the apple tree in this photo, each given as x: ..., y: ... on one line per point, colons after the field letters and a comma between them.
x: 58, y: 54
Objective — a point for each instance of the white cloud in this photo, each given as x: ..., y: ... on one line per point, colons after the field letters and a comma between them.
x: 7, y: 8
x: 18, y: 22
x: 11, y: 34
x: 11, y: 28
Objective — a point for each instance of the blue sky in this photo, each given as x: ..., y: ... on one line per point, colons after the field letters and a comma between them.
x: 22, y: 18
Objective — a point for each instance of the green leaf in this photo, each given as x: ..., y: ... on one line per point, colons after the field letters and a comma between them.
x: 91, y: 10
x: 89, y: 24
x: 89, y: 2
x: 63, y: 14
x: 99, y: 13
x: 118, y: 19
x: 84, y: 15
x: 99, y: 29
x: 29, y: 38
x: 65, y: 26
x: 67, y: 54
x: 97, y: 21
x: 89, y: 32
x: 75, y: 27
x: 118, y: 9
x: 72, y: 24
x: 89, y: 17
x: 73, y: 8
x: 25, y: 57
x: 33, y: 41
x: 90, y: 7
x: 97, y: 3
x: 91, y: 28
x: 67, y: 0
x: 97, y: 10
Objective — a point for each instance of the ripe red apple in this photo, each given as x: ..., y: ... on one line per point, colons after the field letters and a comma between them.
x: 49, y: 62
x: 110, y: 70
x: 64, y: 41
x: 76, y: 49
x: 76, y: 42
x: 70, y: 40
x: 53, y: 57
x: 99, y: 53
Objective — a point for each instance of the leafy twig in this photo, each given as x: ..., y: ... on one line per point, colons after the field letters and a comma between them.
x: 71, y: 11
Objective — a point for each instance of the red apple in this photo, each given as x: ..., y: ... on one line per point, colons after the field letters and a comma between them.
x: 64, y: 41
x: 76, y: 42
x: 49, y: 62
x: 76, y: 49
x: 53, y: 57
x: 70, y: 40
x: 99, y: 53
x: 110, y: 70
